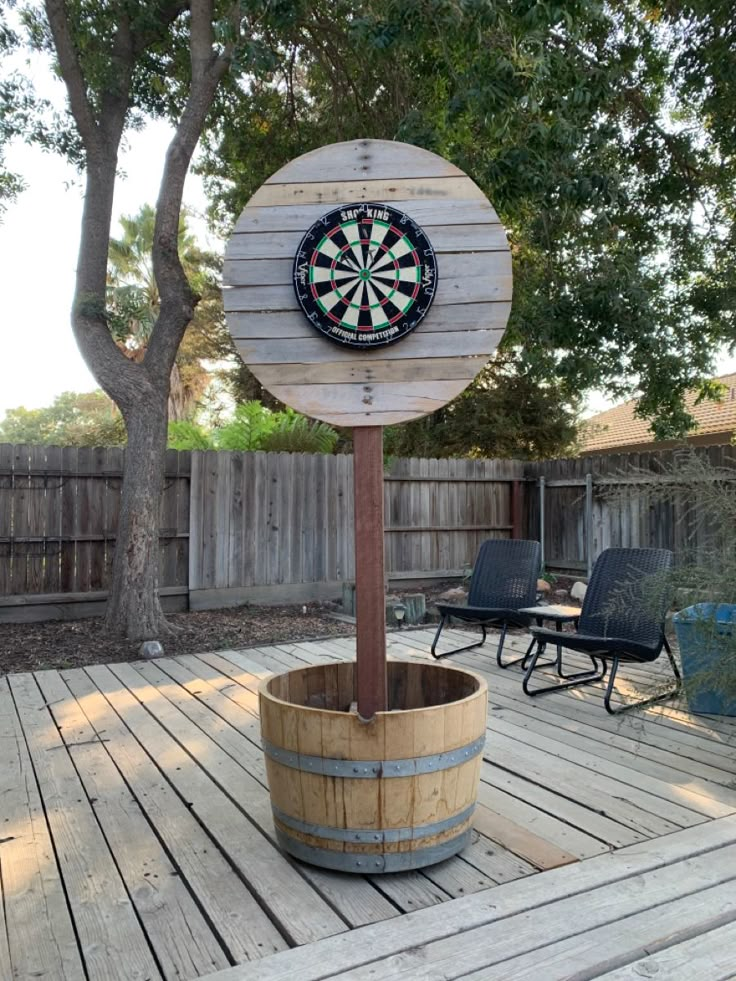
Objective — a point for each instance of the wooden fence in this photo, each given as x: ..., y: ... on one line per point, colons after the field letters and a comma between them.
x: 235, y: 527
x: 257, y: 527
x: 591, y: 503
x: 58, y: 520
x: 276, y: 525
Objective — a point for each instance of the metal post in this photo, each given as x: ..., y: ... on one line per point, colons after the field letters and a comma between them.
x: 589, y: 523
x: 370, y: 614
x: 541, y: 517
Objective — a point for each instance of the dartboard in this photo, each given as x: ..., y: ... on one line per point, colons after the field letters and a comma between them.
x: 365, y: 275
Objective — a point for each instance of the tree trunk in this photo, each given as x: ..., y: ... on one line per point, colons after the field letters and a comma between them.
x: 133, y: 608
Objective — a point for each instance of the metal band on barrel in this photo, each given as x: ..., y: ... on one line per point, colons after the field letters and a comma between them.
x: 374, y: 835
x: 367, y: 863
x: 373, y: 769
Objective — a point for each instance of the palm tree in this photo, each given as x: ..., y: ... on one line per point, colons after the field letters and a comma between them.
x: 133, y: 306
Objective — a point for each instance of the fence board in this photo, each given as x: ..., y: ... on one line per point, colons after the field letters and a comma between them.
x: 51, y: 580
x: 237, y: 525
x: 59, y: 510
x: 633, y: 517
x: 6, y: 517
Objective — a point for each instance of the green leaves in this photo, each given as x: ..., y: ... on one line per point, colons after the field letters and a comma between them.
x: 73, y: 419
x: 255, y: 427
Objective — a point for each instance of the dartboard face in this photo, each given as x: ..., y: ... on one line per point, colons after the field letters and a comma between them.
x: 365, y: 275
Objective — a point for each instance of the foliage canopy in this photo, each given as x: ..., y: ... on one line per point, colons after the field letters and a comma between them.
x: 574, y: 119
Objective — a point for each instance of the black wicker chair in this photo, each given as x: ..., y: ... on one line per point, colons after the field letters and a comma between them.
x: 504, y: 580
x: 622, y: 619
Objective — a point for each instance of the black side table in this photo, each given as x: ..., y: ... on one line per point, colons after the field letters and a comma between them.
x: 558, y: 615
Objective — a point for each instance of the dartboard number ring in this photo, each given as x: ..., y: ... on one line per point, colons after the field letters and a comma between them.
x: 365, y: 275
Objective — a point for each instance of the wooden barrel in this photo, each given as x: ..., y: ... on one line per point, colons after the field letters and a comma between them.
x: 388, y: 795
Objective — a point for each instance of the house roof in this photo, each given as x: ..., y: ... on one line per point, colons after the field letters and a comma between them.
x: 620, y: 427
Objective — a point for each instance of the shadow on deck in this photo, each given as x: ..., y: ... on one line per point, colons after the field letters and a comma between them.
x: 136, y: 838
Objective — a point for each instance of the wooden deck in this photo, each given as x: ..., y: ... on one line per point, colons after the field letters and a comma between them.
x: 136, y: 839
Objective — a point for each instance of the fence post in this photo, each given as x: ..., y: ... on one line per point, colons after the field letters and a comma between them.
x: 517, y: 509
x: 589, y: 523
x: 541, y: 517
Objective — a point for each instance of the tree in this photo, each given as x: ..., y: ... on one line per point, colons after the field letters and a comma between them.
x: 73, y: 419
x: 619, y: 212
x: 505, y: 413
x: 133, y: 304
x: 14, y: 103
x: 122, y: 62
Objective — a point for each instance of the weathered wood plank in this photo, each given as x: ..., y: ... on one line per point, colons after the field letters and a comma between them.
x: 364, y: 398
x: 112, y: 941
x: 299, y: 912
x: 455, y: 318
x: 329, y: 194
x: 596, y: 951
x: 478, y: 238
x: 511, y: 949
x: 40, y: 940
x: 245, y: 932
x: 36, y: 518
x: 6, y: 970
x: 420, y: 344
x: 21, y: 483
x: 571, y: 884
x: 365, y: 159
x: 710, y: 955
x: 184, y: 944
x: 6, y: 516
x: 295, y: 216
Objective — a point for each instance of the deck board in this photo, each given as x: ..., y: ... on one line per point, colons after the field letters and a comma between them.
x: 113, y: 943
x: 181, y: 939
x: 509, y: 916
x: 154, y: 769
x: 39, y: 937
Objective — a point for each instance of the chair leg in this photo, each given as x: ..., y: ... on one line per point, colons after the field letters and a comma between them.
x: 524, y: 660
x: 583, y: 678
x: 643, y: 703
x: 457, y: 650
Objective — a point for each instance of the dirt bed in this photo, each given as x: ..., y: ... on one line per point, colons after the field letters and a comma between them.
x: 73, y: 644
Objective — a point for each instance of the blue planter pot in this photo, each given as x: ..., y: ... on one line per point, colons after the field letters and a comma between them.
x: 706, y: 633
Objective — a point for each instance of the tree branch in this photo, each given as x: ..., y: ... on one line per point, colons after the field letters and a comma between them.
x: 634, y: 97
x: 201, y: 39
x: 177, y: 299
x: 71, y: 72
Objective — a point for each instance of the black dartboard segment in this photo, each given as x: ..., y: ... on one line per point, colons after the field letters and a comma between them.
x: 365, y: 275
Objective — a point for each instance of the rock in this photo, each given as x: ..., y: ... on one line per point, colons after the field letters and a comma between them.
x: 455, y: 595
x: 560, y: 594
x: 578, y: 591
x: 543, y: 586
x: 151, y: 649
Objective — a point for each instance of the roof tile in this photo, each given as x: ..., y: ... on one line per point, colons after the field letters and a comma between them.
x: 620, y: 427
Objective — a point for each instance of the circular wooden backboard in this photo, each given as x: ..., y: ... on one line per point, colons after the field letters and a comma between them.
x: 384, y: 385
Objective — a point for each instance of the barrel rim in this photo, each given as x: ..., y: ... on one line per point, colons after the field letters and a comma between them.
x: 480, y: 692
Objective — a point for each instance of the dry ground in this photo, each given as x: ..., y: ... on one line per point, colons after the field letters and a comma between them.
x: 72, y: 644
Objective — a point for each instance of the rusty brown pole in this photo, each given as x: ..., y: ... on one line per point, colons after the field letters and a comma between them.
x: 370, y: 611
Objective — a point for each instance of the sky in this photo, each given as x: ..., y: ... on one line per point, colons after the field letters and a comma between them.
x: 39, y: 240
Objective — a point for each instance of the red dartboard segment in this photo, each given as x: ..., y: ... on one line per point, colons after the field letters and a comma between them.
x: 365, y: 275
